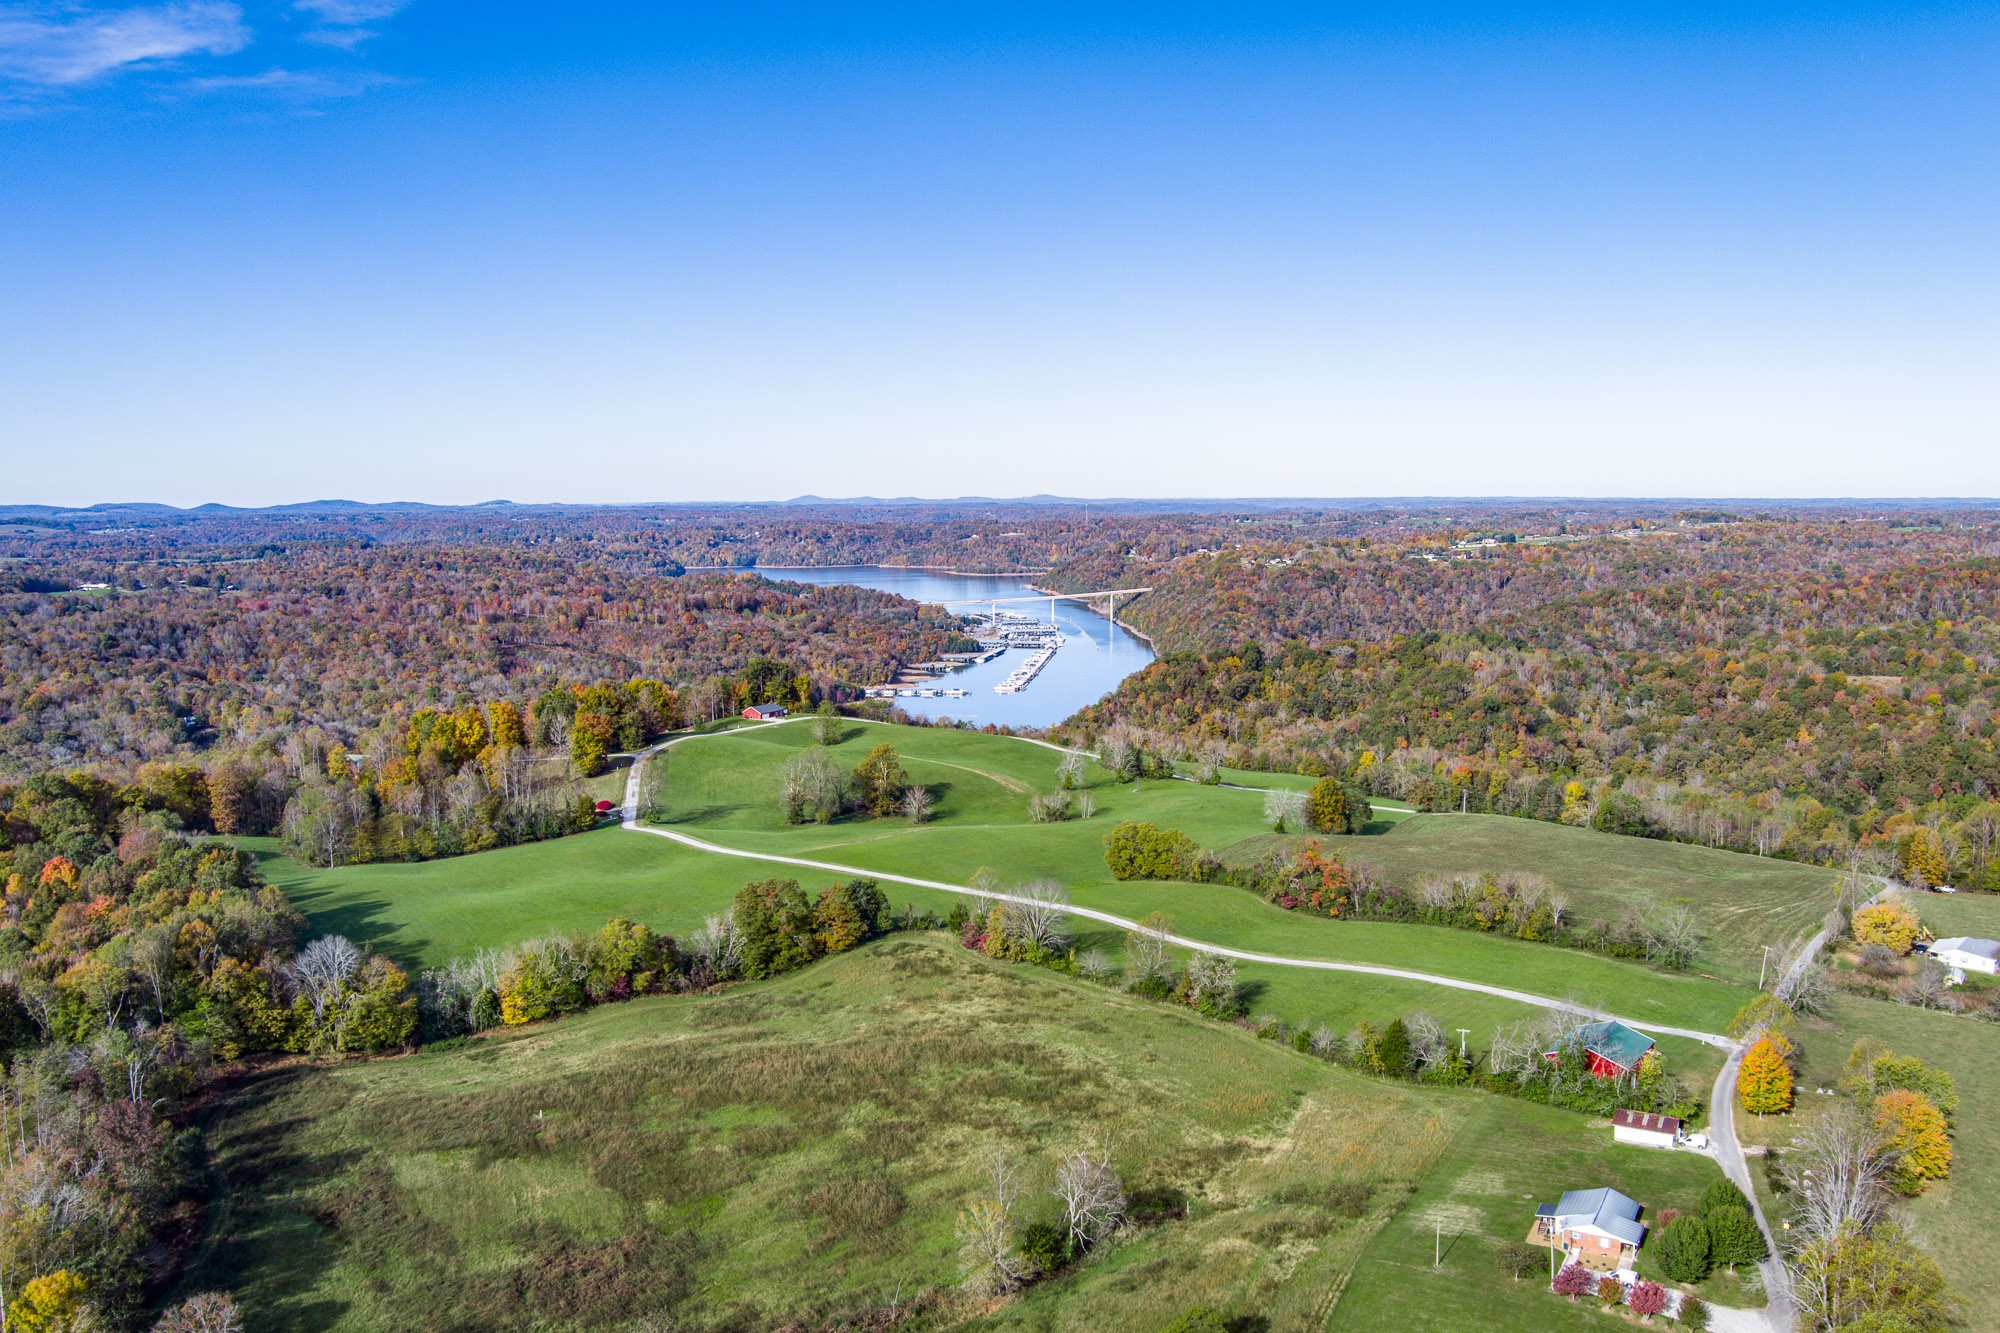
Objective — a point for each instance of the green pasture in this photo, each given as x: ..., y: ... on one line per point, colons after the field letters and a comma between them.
x: 727, y: 789
x: 798, y: 1151
x: 1952, y: 1218
x: 1745, y: 902
x: 1507, y: 1158
x: 1950, y: 914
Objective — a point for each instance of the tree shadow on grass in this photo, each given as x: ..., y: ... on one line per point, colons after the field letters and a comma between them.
x: 368, y: 922
x: 702, y: 814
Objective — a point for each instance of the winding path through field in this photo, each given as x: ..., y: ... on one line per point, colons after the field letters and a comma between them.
x: 1777, y: 1316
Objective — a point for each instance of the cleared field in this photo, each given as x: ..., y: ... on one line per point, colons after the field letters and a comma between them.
x: 1506, y: 1159
x: 423, y: 913
x: 727, y: 790
x: 1744, y: 901
x: 1957, y: 913
x: 798, y: 1151
x: 1952, y: 1220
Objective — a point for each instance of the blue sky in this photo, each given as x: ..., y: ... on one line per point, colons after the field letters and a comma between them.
x: 258, y: 252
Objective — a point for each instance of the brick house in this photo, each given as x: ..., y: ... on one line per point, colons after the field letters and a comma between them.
x: 1599, y: 1227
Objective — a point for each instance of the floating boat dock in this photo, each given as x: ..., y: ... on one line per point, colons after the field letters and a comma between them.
x: 1020, y: 677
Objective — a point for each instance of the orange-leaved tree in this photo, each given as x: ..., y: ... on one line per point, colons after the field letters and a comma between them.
x: 1765, y: 1085
x: 1913, y: 1126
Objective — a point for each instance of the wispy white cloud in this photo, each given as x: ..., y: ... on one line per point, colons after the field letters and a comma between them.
x: 349, y: 11
x: 343, y: 23
x: 70, y: 46
x: 300, y: 84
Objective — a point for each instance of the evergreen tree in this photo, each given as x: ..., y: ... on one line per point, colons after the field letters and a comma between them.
x: 1684, y: 1248
x: 1390, y: 1052
x: 1733, y: 1236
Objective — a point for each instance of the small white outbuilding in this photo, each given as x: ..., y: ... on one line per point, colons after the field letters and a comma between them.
x: 1645, y: 1128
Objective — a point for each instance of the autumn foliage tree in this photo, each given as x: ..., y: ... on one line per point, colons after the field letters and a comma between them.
x: 1647, y: 1299
x: 1890, y: 925
x: 1914, y: 1128
x: 1764, y: 1085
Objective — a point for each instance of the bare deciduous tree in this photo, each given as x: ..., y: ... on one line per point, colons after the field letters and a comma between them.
x: 321, y: 967
x: 1069, y: 770
x: 986, y: 1251
x: 1839, y: 1171
x: 917, y: 804
x: 1086, y: 805
x: 1038, y: 912
x: 1146, y: 956
x: 814, y: 786
x: 720, y: 942
x: 1929, y: 989
x: 1429, y: 1046
x: 1673, y: 935
x: 1093, y: 1198
x: 1050, y: 809
x: 1211, y: 977
x: 1285, y: 811
x: 1118, y: 751
x: 1097, y: 965
x: 210, y: 1312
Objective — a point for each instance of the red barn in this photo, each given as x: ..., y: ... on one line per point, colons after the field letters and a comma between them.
x: 1612, y: 1049
x: 765, y: 712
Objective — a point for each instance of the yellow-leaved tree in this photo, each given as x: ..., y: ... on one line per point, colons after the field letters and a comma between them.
x: 1923, y: 859
x: 1888, y: 924
x: 1913, y: 1126
x: 52, y: 1303
x: 1765, y: 1084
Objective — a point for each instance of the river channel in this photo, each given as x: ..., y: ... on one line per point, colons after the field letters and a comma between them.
x: 1096, y: 654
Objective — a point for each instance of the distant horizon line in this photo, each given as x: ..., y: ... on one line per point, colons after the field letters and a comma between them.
x: 217, y: 508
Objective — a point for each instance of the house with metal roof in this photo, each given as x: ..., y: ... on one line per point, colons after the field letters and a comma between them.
x: 1599, y: 1227
x: 1968, y: 954
x: 1612, y: 1049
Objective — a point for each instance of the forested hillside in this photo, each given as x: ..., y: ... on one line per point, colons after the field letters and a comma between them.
x: 197, y: 653
x: 1804, y: 687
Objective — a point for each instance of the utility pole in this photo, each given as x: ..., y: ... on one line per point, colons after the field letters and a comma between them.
x: 1462, y: 1034
x: 1761, y: 966
x: 1437, y: 1244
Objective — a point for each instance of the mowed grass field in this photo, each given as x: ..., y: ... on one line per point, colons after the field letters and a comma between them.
x: 1744, y: 901
x: 1953, y: 1220
x: 1508, y: 1157
x: 726, y: 789
x: 798, y: 1150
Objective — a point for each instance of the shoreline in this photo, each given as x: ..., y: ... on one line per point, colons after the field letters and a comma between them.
x: 925, y: 569
x: 1138, y: 634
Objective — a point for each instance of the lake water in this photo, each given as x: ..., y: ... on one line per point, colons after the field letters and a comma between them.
x: 1095, y: 655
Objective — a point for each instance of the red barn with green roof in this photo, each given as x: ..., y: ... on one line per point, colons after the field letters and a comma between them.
x: 1612, y: 1049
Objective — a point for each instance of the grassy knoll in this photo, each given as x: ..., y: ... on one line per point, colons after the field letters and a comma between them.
x: 798, y: 1150
x: 1507, y: 1158
x: 1744, y: 901
x: 1957, y: 913
x: 423, y: 913
x: 1952, y: 1220
x: 727, y: 790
